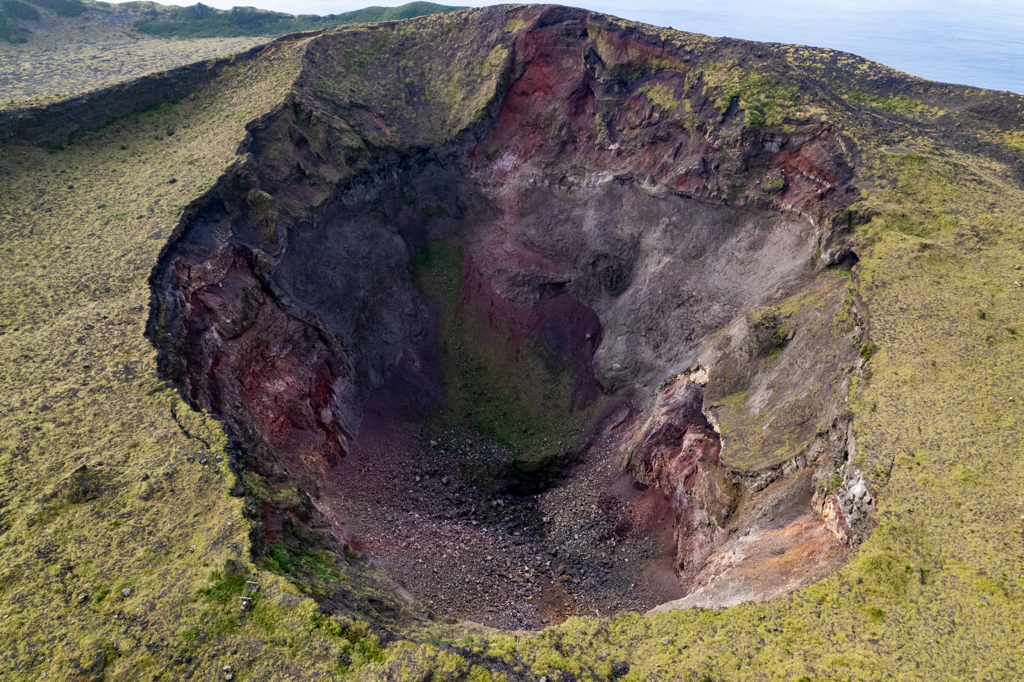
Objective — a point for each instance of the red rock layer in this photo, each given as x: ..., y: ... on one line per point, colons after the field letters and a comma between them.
x: 677, y: 450
x: 270, y: 374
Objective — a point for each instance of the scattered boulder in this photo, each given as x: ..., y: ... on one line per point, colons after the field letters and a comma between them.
x: 84, y: 484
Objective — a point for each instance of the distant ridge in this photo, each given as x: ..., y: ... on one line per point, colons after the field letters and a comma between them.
x: 20, y: 18
x: 201, y: 21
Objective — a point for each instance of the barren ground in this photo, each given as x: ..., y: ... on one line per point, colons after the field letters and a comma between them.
x: 598, y: 544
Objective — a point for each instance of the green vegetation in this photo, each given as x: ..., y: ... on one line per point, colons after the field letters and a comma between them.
x: 259, y: 489
x: 936, y: 592
x: 1015, y: 140
x: 14, y: 11
x: 78, y: 378
x: 897, y: 102
x: 80, y: 52
x: 223, y: 590
x: 62, y: 8
x: 773, y: 182
x: 769, y: 327
x: 11, y: 12
x: 764, y: 100
x: 496, y: 382
x: 201, y: 21
x: 662, y: 96
x: 626, y: 66
x: 66, y: 61
x: 310, y: 572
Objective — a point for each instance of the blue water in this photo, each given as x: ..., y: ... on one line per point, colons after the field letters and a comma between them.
x: 969, y: 42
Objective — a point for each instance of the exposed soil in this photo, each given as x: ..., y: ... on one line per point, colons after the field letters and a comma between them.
x: 774, y: 548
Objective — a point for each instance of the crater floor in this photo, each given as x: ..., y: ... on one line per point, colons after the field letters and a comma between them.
x: 593, y: 545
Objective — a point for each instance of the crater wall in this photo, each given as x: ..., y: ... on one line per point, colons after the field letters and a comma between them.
x: 612, y: 215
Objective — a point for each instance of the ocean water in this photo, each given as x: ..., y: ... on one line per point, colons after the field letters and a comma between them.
x: 968, y: 42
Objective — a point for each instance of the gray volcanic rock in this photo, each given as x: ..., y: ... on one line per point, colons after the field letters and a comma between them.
x: 610, y: 218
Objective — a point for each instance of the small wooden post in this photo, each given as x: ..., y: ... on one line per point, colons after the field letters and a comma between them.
x: 251, y: 587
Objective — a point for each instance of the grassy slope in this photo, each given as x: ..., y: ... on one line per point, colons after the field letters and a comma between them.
x: 921, y: 599
x: 38, y: 73
x: 81, y: 229
x: 71, y: 53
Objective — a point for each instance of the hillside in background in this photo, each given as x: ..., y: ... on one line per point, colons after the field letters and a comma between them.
x: 19, y: 19
x: 51, y: 49
x: 200, y: 21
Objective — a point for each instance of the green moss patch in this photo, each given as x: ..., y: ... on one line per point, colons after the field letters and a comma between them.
x: 496, y: 382
x: 764, y: 100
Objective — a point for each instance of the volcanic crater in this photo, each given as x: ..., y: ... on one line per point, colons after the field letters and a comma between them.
x: 553, y: 328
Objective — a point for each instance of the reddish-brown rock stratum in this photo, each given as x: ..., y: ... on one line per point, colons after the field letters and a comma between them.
x: 515, y: 279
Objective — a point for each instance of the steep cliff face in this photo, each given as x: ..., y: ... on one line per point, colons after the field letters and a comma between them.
x: 678, y: 450
x: 624, y: 209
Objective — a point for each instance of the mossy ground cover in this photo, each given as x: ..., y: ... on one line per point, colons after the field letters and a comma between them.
x: 764, y: 100
x: 890, y: 103
x: 497, y: 381
x: 38, y: 72
x: 68, y: 55
x: 150, y: 513
x: 95, y: 46
x: 208, y: 22
x: 934, y: 593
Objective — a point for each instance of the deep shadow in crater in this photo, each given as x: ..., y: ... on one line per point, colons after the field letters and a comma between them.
x: 502, y: 370
x: 460, y: 437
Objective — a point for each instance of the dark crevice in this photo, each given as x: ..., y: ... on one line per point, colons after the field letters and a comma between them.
x: 174, y: 416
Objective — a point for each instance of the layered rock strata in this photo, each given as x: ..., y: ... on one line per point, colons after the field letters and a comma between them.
x: 612, y: 204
